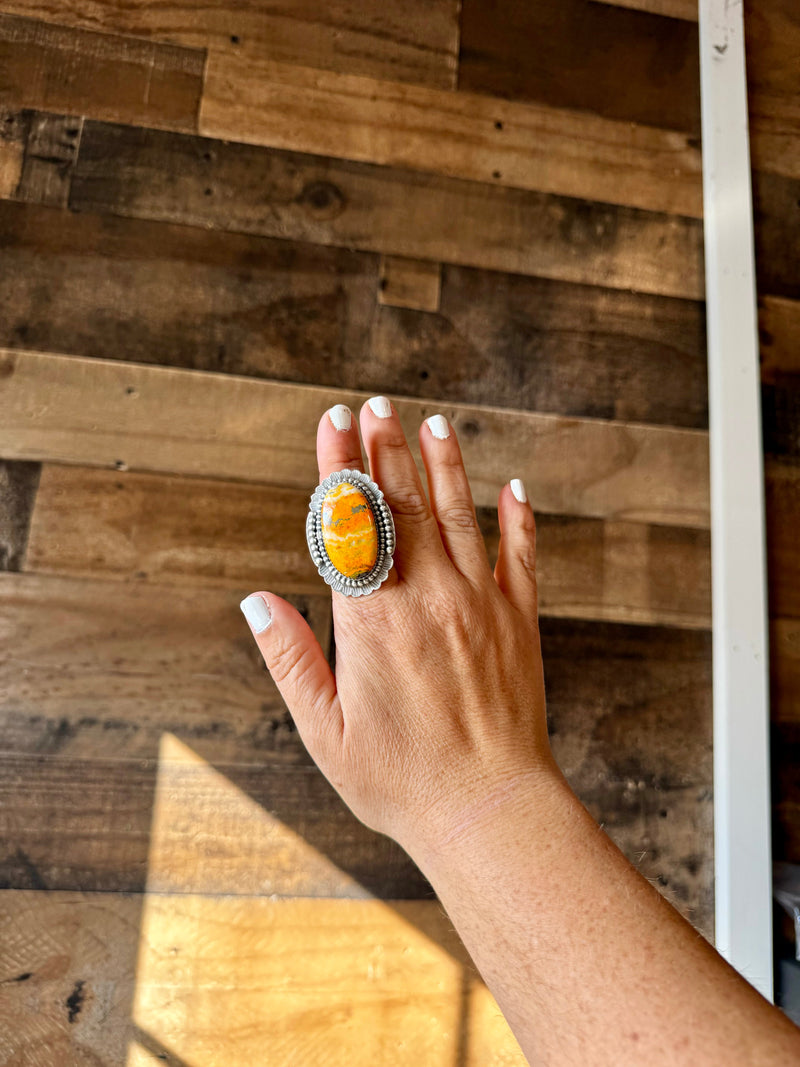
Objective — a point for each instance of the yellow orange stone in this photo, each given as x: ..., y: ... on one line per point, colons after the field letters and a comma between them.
x: 349, y: 531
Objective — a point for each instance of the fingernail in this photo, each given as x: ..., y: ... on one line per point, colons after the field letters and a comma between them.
x: 380, y: 406
x: 256, y: 610
x: 341, y: 416
x: 439, y: 427
x: 518, y: 489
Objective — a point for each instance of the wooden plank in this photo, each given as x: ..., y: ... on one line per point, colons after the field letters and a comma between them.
x: 127, y: 662
x: 332, y: 981
x: 542, y: 345
x: 150, y: 174
x: 154, y: 292
x: 135, y: 738
x: 403, y: 40
x: 776, y: 214
x: 463, y: 135
x: 626, y: 65
x: 191, y: 531
x: 773, y: 44
x: 106, y: 414
x: 782, y: 491
x: 676, y: 9
x: 410, y: 283
x: 785, y: 791
x: 779, y: 334
x: 13, y: 135
x: 784, y: 642
x: 122, y: 79
x: 18, y: 483
x: 50, y: 154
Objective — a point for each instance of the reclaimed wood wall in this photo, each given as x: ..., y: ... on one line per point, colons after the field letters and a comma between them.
x: 215, y: 222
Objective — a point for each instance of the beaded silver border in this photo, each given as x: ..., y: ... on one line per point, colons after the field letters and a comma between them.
x: 384, y: 523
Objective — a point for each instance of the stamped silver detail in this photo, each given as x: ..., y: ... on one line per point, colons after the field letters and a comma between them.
x: 384, y: 524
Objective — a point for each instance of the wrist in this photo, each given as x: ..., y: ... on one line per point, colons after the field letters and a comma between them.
x: 487, y: 814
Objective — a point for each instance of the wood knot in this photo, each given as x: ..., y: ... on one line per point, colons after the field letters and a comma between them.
x: 323, y: 200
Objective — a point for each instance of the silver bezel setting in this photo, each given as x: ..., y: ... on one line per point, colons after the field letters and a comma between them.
x: 384, y: 523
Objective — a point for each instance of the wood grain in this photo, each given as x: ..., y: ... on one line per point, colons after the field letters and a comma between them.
x: 782, y: 486
x: 51, y: 150
x: 776, y: 215
x: 208, y: 300
x: 122, y: 79
x: 676, y: 9
x: 405, y: 40
x: 13, y: 135
x: 97, y: 668
x: 772, y: 37
x: 149, y: 718
x: 410, y: 283
x: 784, y: 640
x: 195, y: 532
x: 150, y: 174
x: 107, y: 414
x: 18, y: 484
x: 339, y: 982
x: 626, y: 65
x: 463, y: 135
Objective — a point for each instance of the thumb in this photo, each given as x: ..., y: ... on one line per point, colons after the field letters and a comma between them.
x: 298, y: 667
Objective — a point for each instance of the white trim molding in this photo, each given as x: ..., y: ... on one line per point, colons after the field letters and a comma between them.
x: 743, y: 883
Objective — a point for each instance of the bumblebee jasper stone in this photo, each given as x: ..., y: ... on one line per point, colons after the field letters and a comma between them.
x: 349, y: 531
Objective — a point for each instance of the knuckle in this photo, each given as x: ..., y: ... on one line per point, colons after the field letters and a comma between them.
x: 411, y: 504
x: 290, y: 663
x: 460, y: 516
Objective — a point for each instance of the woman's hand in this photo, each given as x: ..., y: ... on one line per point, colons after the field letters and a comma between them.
x: 437, y: 705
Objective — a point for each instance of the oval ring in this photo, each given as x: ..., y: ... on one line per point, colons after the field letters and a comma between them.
x: 360, y: 539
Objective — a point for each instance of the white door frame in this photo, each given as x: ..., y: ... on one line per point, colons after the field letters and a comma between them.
x: 742, y: 847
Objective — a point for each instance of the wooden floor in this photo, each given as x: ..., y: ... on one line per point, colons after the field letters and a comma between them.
x: 217, y: 221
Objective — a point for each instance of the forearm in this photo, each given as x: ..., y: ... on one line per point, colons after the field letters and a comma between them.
x: 587, y: 961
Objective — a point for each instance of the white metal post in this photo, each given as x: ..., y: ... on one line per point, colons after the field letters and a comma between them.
x: 741, y: 664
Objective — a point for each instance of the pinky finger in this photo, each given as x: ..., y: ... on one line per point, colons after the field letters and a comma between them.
x: 515, y: 571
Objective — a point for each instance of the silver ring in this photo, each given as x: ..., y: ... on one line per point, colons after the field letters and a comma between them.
x: 350, y: 533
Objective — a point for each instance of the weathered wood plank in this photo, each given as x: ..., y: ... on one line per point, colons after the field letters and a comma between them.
x: 122, y: 79
x: 542, y: 345
x: 463, y: 135
x: 18, y: 484
x: 185, y: 825
x: 154, y: 292
x: 410, y: 283
x: 784, y: 649
x: 106, y: 414
x: 772, y: 36
x: 149, y: 717
x: 95, y: 668
x: 779, y: 335
x: 339, y: 982
x: 190, y: 531
x: 782, y: 491
x: 676, y: 9
x: 150, y: 174
x: 51, y: 150
x: 776, y: 215
x: 621, y: 64
x: 13, y: 135
x: 405, y: 40
x: 785, y: 759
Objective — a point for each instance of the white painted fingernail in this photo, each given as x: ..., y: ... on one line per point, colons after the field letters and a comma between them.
x: 256, y: 610
x: 518, y: 489
x: 439, y: 427
x: 341, y: 416
x: 380, y: 406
